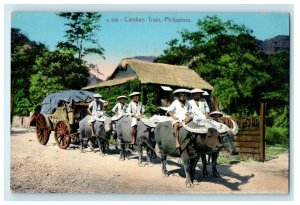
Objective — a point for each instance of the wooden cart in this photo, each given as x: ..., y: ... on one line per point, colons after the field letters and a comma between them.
x: 64, y: 121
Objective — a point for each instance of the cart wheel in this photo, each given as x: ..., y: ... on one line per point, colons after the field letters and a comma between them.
x: 62, y: 134
x: 42, y: 131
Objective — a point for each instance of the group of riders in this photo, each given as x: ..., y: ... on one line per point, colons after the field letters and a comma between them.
x: 181, y: 111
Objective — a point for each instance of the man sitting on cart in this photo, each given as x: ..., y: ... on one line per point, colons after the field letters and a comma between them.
x: 95, y: 109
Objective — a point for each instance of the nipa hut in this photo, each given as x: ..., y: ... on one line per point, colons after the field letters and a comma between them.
x: 163, y: 76
x: 153, y: 73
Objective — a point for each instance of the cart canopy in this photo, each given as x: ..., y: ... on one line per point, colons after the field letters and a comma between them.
x: 69, y: 96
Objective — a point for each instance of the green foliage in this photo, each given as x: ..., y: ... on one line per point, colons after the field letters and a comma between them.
x: 110, y: 94
x: 280, y: 117
x: 21, y: 104
x: 148, y: 97
x: 41, y: 86
x: 23, y: 55
x: 81, y: 28
x: 176, y: 54
x: 66, y: 48
x: 277, y: 136
x: 37, y: 72
x: 56, y: 71
x: 227, y: 56
x: 276, y: 92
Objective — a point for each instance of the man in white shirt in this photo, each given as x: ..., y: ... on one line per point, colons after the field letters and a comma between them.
x: 180, y: 111
x: 136, y: 110
x: 201, y: 111
x: 121, y: 107
x: 199, y: 105
x: 95, y: 109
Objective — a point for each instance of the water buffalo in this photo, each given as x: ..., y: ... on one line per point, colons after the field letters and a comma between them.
x: 192, y: 146
x: 144, y: 137
x: 228, y: 142
x: 102, y: 135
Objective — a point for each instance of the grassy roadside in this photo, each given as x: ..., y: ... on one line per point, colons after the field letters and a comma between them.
x: 271, y: 153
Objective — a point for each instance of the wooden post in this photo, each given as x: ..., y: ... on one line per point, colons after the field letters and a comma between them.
x: 262, y: 128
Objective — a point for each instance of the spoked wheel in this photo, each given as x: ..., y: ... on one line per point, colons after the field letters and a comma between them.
x: 42, y: 131
x: 62, y: 134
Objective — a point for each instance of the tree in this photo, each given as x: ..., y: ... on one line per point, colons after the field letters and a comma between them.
x: 81, y: 32
x: 56, y: 71
x: 60, y: 69
x: 276, y: 91
x: 224, y: 54
x: 23, y: 55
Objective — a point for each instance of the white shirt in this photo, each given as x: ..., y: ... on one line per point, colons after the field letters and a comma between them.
x: 96, y: 107
x: 200, y: 109
x: 135, y: 108
x: 121, y: 109
x: 179, y: 109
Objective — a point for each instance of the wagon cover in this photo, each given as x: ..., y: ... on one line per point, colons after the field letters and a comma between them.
x: 69, y: 96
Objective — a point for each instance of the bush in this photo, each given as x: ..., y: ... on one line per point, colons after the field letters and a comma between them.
x: 280, y: 117
x: 277, y: 136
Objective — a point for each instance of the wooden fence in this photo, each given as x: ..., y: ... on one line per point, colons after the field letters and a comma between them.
x: 251, y: 136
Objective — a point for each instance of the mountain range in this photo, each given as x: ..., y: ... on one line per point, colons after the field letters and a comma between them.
x: 276, y: 44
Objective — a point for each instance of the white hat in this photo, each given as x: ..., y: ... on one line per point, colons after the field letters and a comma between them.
x: 122, y: 96
x: 134, y: 93
x: 205, y: 93
x: 181, y: 91
x: 216, y: 113
x: 97, y: 95
x: 196, y: 90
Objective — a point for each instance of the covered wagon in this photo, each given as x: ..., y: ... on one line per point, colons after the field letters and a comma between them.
x: 61, y: 112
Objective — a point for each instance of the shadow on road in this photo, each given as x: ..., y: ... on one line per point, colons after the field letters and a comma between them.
x: 226, y: 176
x: 224, y: 170
x: 15, y: 131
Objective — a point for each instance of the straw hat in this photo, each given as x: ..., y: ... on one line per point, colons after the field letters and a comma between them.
x: 134, y: 94
x: 205, y: 93
x: 97, y: 95
x: 196, y: 90
x: 181, y: 91
x: 216, y: 113
x: 122, y: 96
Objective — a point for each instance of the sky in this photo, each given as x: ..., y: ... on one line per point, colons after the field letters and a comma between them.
x: 122, y: 37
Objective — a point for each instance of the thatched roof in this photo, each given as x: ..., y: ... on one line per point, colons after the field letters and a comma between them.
x: 108, y: 83
x: 157, y: 73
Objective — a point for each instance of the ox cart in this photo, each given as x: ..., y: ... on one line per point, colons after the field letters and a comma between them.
x: 61, y: 112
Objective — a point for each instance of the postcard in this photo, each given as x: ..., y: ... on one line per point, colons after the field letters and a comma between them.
x: 149, y: 103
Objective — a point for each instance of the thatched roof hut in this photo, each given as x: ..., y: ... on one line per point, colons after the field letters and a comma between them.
x: 153, y: 73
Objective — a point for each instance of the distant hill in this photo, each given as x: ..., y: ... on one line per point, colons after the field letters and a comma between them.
x: 278, y: 43
x: 93, y: 79
x: 145, y: 58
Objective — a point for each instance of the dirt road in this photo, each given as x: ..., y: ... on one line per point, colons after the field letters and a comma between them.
x: 48, y: 169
